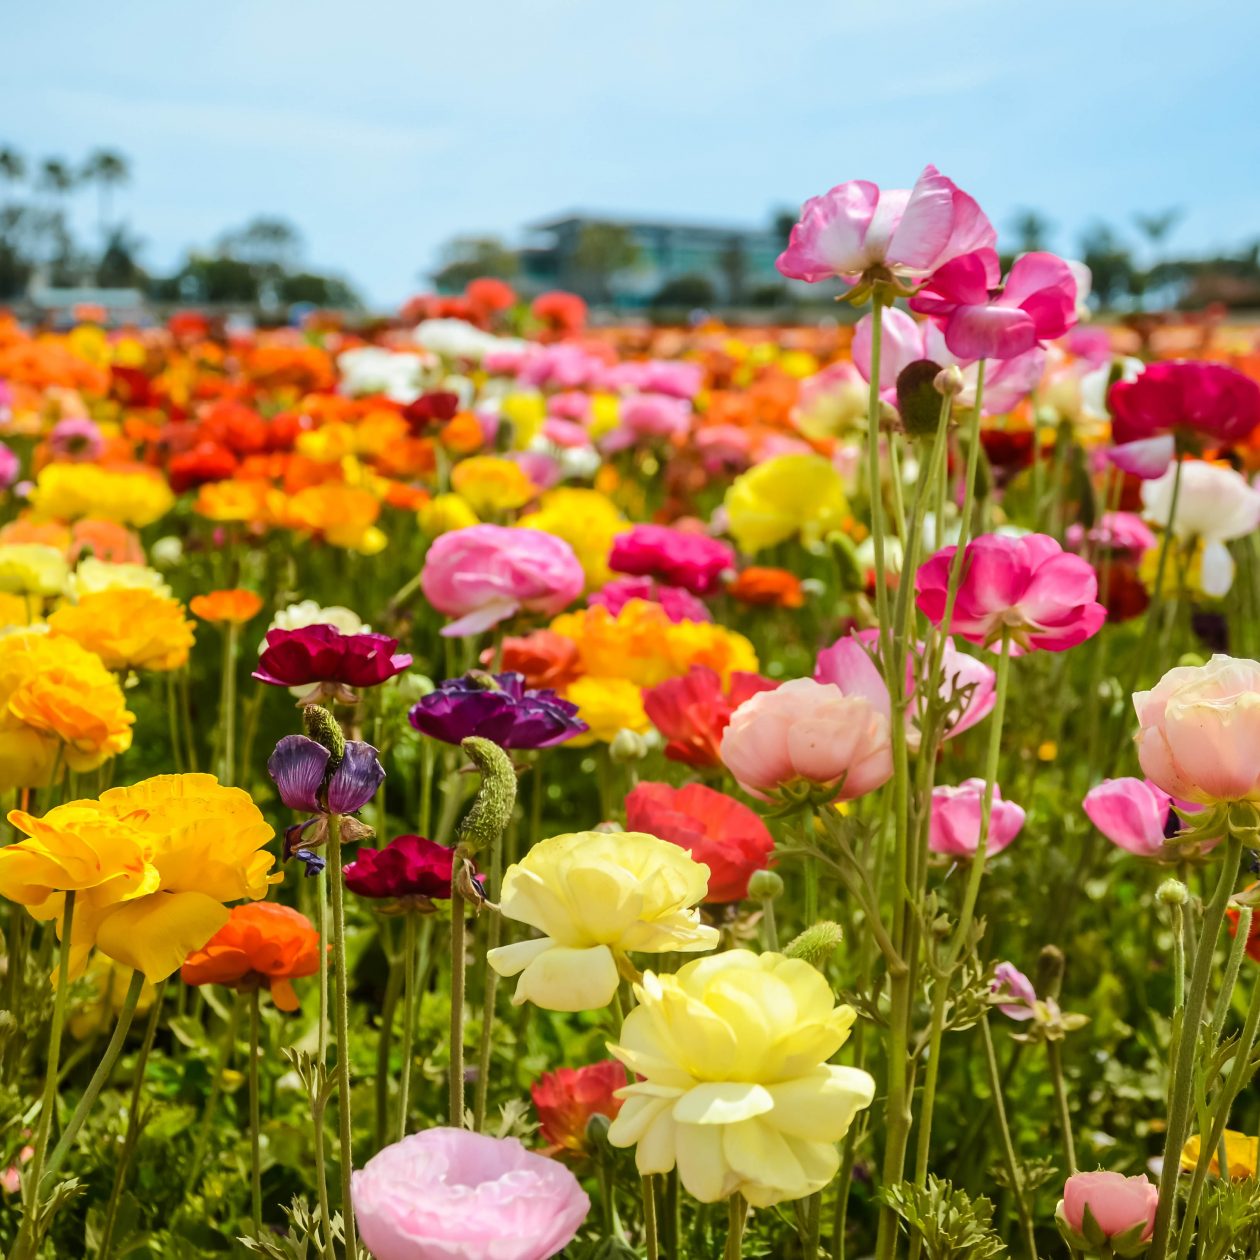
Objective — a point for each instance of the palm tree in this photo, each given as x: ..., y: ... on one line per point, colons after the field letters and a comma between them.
x: 1032, y: 229
x: 107, y: 170
x: 12, y: 165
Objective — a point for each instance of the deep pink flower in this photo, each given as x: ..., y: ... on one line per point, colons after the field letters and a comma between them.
x: 484, y: 574
x: 856, y: 227
x: 679, y: 604
x: 983, y: 318
x: 1011, y: 983
x: 1029, y: 587
x: 10, y: 466
x: 1118, y: 1203
x: 322, y: 654
x: 1203, y: 400
x: 1132, y: 813
x: 677, y: 556
x: 408, y: 866
x: 956, y: 813
x: 1119, y: 533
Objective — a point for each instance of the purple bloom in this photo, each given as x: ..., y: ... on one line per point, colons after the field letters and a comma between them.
x: 497, y: 707
x: 679, y: 604
x: 322, y: 654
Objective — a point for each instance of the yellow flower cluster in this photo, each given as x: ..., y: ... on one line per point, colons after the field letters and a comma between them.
x: 588, y: 521
x: 443, y: 513
x: 492, y: 484
x: 151, y: 866
x: 66, y: 492
x: 128, y: 628
x: 58, y: 704
x: 786, y: 496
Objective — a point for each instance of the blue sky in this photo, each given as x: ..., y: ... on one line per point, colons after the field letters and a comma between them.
x: 383, y: 128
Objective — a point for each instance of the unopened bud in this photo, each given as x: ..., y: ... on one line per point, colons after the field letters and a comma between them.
x: 1172, y: 892
x: 597, y: 1130
x: 491, y: 810
x: 950, y: 381
x: 324, y: 729
x: 918, y: 399
x: 627, y: 746
x: 765, y: 886
x: 817, y: 944
x: 1050, y: 971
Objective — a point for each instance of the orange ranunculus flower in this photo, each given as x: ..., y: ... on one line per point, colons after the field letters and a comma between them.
x: 344, y: 516
x: 106, y: 540
x: 234, y: 605
x: 58, y: 702
x: 128, y: 628
x: 261, y: 943
x: 774, y: 587
x: 252, y: 502
x: 151, y: 865
x: 463, y: 434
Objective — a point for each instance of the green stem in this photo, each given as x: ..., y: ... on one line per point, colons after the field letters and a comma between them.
x: 1054, y: 1055
x: 927, y: 1105
x: 647, y: 1184
x: 321, y: 1180
x: 227, y: 705
x: 736, y: 1215
x: 385, y: 1038
x: 321, y: 916
x: 1008, y: 1145
x: 1181, y: 1084
x: 226, y: 1048
x: 459, y: 946
x: 416, y: 960
x: 255, y: 1121
x: 345, y: 1114
x: 490, y: 988
x: 1155, y: 610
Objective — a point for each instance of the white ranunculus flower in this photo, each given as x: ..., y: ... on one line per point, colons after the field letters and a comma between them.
x: 376, y: 370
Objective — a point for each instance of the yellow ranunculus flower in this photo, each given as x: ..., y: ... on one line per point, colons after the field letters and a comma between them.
x: 606, y: 705
x: 588, y: 521
x: 32, y: 569
x: 595, y: 896
x: 526, y: 413
x: 736, y: 1089
x: 152, y: 866
x: 707, y: 643
x: 58, y: 702
x: 16, y: 610
x: 66, y: 492
x: 492, y: 484
x: 605, y: 415
x: 94, y: 575
x: 785, y: 496
x: 1240, y: 1150
x: 344, y: 516
x: 128, y: 628
x: 256, y: 502
x: 444, y: 513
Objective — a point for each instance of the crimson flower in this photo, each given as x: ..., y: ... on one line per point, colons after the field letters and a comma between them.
x: 322, y: 656
x: 567, y: 1098
x: 409, y: 869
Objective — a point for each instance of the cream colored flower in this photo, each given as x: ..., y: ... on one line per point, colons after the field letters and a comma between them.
x: 736, y: 1089
x: 597, y: 896
x: 32, y: 569
x: 93, y: 575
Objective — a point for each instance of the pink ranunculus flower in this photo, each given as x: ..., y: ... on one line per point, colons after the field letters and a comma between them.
x: 1117, y: 533
x: 1118, y: 1203
x: 857, y: 226
x: 956, y: 813
x: 1199, y: 731
x: 484, y: 574
x: 679, y: 604
x: 1028, y: 587
x: 10, y: 466
x: 808, y: 738
x: 678, y: 556
x: 447, y: 1194
x: 900, y: 344
x: 985, y: 318
x: 647, y: 418
x: 1011, y: 983
x: 1131, y: 813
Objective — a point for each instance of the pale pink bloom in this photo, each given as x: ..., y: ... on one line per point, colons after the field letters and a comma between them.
x: 808, y: 734
x: 11, y: 1177
x: 573, y: 404
x: 505, y: 362
x: 448, y: 1194
x: 648, y: 417
x: 1011, y: 983
x: 670, y: 376
x: 1199, y: 731
x: 1030, y: 587
x: 1122, y: 532
x: 1131, y: 813
x: 724, y: 448
x: 566, y: 433
x: 540, y: 466
x: 562, y: 366
x: 486, y: 573
x: 956, y: 813
x: 10, y: 466
x: 900, y: 344
x: 1118, y: 1203
x: 857, y: 226
x: 984, y: 318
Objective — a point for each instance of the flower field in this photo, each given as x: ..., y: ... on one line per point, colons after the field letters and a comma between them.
x: 488, y: 785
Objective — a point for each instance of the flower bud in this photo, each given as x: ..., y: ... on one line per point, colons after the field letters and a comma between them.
x: 627, y: 746
x: 1172, y: 892
x: 1050, y: 971
x: 950, y: 381
x: 765, y: 886
x: 492, y: 809
x: 816, y: 944
x: 918, y: 398
x: 325, y: 730
x: 597, y: 1131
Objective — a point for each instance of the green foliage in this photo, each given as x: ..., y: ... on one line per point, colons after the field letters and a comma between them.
x: 951, y: 1225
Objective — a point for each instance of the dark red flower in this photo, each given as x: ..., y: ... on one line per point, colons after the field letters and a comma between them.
x: 567, y: 1098
x: 437, y: 407
x: 714, y: 828
x: 693, y: 711
x: 407, y: 867
x: 206, y: 462
x: 322, y: 654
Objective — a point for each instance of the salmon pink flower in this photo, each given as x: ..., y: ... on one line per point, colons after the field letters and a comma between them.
x: 984, y: 318
x: 1028, y: 587
x: 857, y: 227
x: 693, y: 711
x: 568, y: 1098
x: 1116, y: 1204
x: 956, y: 815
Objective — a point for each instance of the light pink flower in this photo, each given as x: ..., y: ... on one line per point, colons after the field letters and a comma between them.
x: 856, y: 226
x: 900, y: 344
x: 10, y: 466
x: 956, y: 813
x: 486, y: 573
x: 1199, y: 731
x: 1030, y: 587
x: 1131, y: 813
x: 573, y: 404
x: 809, y: 737
x: 1010, y: 982
x: 1122, y: 532
x: 448, y: 1194
x: 1118, y: 1203
x: 982, y: 318
x: 649, y: 417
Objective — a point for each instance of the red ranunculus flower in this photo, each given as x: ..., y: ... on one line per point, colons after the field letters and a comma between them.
x: 322, y: 654
x: 714, y: 828
x: 693, y: 711
x: 567, y: 1098
x: 408, y: 867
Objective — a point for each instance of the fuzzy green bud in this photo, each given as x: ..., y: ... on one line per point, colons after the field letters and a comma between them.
x: 1172, y: 892
x: 324, y: 729
x: 765, y: 886
x: 627, y: 746
x: 492, y: 808
x: 816, y: 944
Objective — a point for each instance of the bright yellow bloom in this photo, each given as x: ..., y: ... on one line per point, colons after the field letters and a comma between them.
x: 152, y: 866
x: 58, y: 702
x: 707, y: 643
x: 785, y: 496
x: 94, y: 575
x: 66, y: 492
x: 605, y: 415
x: 595, y: 896
x: 607, y: 705
x: 128, y: 628
x: 32, y: 569
x: 444, y: 513
x: 737, y: 1090
x: 344, y: 516
x: 1240, y: 1150
x: 492, y: 484
x: 16, y: 610
x: 526, y: 413
x: 588, y: 521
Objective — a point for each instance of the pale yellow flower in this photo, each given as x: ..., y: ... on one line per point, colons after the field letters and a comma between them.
x: 94, y: 575
x: 32, y: 569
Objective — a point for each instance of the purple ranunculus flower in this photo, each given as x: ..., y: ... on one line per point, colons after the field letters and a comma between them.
x: 321, y: 654
x: 497, y: 707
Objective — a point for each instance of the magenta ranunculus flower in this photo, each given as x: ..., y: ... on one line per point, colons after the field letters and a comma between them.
x: 679, y: 557
x: 954, y: 825
x: 1178, y: 398
x: 985, y: 318
x: 1118, y: 1204
x: 857, y: 226
x: 10, y: 466
x: 1011, y: 983
x: 1132, y: 813
x: 484, y: 574
x: 448, y: 1194
x: 321, y: 654
x: 808, y: 739
x: 678, y: 604
x: 1028, y: 587
x: 407, y: 869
